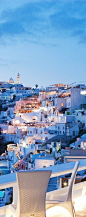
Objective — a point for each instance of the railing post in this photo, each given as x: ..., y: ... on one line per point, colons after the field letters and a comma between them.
x: 15, y: 194
x: 84, y: 190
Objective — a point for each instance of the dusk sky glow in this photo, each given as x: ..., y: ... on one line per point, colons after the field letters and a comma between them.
x: 43, y: 40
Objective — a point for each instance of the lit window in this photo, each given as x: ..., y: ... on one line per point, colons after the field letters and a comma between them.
x: 62, y: 104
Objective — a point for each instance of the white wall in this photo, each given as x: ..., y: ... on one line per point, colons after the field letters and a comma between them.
x: 60, y: 128
x: 81, y: 118
x: 26, y: 150
x: 40, y: 163
x: 12, y: 129
x: 58, y: 101
x: 31, y: 131
x: 68, y: 102
x: 28, y: 117
x: 76, y: 98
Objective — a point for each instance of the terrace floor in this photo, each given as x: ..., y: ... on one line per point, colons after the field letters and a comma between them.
x: 79, y: 205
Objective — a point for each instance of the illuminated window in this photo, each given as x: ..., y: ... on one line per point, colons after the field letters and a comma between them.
x: 64, y: 182
x: 62, y: 104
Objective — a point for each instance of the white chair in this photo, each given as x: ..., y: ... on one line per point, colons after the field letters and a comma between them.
x: 65, y: 203
x: 32, y: 188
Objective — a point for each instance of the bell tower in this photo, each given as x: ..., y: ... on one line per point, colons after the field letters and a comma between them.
x: 18, y: 78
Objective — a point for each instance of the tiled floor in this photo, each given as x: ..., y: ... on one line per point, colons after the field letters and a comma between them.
x: 81, y: 214
x: 60, y: 212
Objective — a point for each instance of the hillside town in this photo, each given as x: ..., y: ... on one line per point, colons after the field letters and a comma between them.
x: 43, y: 108
x: 42, y: 128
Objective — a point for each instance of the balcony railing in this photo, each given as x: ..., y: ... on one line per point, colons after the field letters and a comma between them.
x: 10, y: 181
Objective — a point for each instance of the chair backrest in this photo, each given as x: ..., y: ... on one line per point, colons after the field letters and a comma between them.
x: 32, y: 186
x: 69, y: 195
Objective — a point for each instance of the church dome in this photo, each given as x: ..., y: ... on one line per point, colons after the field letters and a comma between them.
x: 11, y: 81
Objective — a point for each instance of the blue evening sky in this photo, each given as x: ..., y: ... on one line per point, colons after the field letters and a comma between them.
x: 43, y: 40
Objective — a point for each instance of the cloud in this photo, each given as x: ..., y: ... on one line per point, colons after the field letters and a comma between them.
x: 7, y: 62
x: 2, y: 64
x: 24, y: 20
x: 45, y: 19
x: 70, y: 20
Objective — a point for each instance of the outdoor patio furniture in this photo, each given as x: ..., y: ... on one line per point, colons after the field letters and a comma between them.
x: 32, y: 186
x: 65, y: 201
